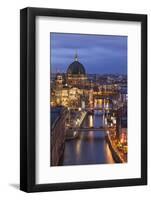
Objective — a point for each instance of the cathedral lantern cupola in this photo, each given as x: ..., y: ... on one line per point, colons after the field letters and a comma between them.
x: 76, y: 56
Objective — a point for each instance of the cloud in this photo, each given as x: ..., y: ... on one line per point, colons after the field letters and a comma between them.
x: 98, y: 53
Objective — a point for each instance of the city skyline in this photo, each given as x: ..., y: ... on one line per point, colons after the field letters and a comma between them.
x: 98, y: 53
x: 88, y: 108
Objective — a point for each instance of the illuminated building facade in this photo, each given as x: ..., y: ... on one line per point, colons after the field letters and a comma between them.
x: 69, y: 88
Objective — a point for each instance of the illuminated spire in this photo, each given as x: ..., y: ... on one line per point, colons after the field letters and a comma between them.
x: 76, y: 56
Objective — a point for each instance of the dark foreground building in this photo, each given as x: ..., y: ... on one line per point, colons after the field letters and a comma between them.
x: 58, y: 117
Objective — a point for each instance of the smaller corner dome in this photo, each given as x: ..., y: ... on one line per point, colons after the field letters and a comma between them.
x: 58, y: 74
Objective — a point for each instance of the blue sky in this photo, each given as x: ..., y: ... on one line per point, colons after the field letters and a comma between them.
x: 98, y: 53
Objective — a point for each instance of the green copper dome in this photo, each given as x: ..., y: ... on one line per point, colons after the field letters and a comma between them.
x: 76, y: 67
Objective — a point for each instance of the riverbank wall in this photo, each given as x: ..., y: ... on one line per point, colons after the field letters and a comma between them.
x: 114, y: 152
x: 72, y: 133
x: 82, y: 118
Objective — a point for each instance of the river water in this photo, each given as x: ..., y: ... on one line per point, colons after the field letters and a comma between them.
x: 90, y: 147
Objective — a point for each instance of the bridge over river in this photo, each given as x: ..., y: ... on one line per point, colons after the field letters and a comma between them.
x: 89, y: 129
x: 90, y: 147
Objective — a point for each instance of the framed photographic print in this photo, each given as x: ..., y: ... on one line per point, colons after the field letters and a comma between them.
x: 83, y: 99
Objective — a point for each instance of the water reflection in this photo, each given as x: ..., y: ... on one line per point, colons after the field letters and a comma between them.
x: 103, y: 104
x: 90, y: 121
x: 90, y: 147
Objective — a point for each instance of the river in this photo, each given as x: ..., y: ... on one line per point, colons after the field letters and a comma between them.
x: 90, y: 147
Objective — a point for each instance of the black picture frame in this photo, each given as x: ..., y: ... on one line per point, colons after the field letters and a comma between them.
x: 28, y: 98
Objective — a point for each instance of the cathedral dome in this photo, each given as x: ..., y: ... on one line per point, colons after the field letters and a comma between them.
x: 76, y: 68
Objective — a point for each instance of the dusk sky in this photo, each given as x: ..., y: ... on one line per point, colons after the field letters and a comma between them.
x: 98, y: 53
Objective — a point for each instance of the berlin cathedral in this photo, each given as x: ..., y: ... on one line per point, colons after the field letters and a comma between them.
x: 73, y: 88
x: 76, y: 74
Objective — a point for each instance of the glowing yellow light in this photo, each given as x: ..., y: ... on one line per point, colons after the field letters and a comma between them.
x: 114, y: 121
x: 90, y: 121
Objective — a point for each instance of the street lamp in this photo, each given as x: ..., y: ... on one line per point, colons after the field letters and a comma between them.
x: 79, y: 109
